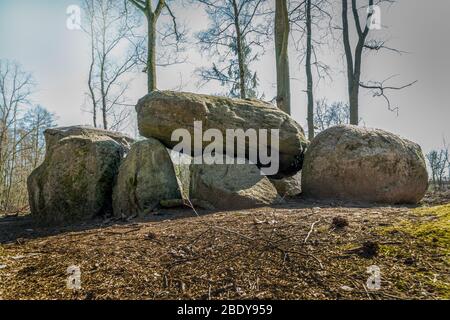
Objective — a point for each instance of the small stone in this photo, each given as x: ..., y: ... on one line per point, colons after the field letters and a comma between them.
x: 347, y: 288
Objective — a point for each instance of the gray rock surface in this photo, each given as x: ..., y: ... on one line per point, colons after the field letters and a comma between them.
x: 232, y: 186
x: 74, y: 182
x: 354, y: 163
x: 146, y: 177
x: 289, y: 186
x: 162, y: 112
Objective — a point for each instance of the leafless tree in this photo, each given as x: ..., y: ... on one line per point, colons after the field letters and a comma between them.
x: 235, y: 39
x: 282, y: 32
x: 16, y: 87
x: 354, y: 59
x: 309, y: 17
x: 328, y: 115
x: 35, y: 121
x: 172, y: 34
x: 438, y: 161
x: 113, y: 58
x: 21, y: 139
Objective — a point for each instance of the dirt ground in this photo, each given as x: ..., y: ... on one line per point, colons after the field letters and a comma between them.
x: 300, y: 250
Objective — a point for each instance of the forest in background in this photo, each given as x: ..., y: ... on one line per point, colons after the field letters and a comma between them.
x: 134, y: 36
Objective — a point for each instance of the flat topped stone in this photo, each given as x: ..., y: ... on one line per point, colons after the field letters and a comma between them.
x: 53, y: 135
x: 160, y: 113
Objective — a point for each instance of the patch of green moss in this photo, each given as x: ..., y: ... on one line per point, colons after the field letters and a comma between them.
x: 394, y: 251
x: 438, y: 284
x: 402, y: 284
x: 430, y: 226
x: 433, y: 227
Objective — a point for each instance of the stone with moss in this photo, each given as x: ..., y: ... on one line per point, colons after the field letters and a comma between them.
x: 74, y: 182
x: 146, y: 177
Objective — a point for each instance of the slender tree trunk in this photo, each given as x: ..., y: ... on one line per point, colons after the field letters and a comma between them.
x: 352, y: 92
x: 354, y: 71
x: 354, y: 104
x: 282, y: 56
x: 103, y: 93
x: 13, y: 163
x: 151, y: 52
x: 354, y: 95
x: 309, y: 76
x: 91, y: 89
x: 36, y: 147
x: 90, y: 79
x: 240, y: 52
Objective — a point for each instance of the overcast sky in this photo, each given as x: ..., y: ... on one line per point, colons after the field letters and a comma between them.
x: 34, y: 33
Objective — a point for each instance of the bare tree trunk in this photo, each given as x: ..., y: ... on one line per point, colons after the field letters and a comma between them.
x: 240, y: 51
x: 103, y: 93
x: 354, y: 102
x: 309, y: 77
x: 91, y: 90
x: 349, y: 58
x: 91, y: 70
x: 354, y: 70
x: 102, y: 68
x: 282, y: 56
x: 151, y: 52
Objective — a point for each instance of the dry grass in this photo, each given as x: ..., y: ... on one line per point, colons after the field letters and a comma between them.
x: 295, y: 251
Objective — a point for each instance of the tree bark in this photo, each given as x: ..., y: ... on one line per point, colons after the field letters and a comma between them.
x: 91, y: 87
x: 309, y: 77
x: 103, y: 93
x: 151, y: 52
x: 240, y: 52
x: 354, y: 70
x: 282, y: 56
x: 349, y: 57
x: 91, y: 71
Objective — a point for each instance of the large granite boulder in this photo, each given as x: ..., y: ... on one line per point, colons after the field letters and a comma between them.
x: 354, y: 163
x: 232, y: 186
x: 162, y: 112
x: 74, y: 183
x: 146, y: 177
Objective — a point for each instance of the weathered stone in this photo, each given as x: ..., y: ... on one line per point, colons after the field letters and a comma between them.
x: 146, y: 177
x: 232, y: 186
x: 354, y: 163
x: 53, y: 135
x: 74, y: 183
x: 162, y: 112
x: 289, y: 186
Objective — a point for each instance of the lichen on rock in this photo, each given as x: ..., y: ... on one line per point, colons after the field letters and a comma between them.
x: 74, y: 182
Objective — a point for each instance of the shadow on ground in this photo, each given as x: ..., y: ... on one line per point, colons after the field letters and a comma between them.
x: 23, y: 227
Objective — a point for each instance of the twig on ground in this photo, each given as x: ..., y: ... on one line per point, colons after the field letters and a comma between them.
x: 311, y: 230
